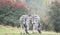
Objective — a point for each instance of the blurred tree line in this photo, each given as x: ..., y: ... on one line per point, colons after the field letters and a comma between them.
x: 52, y: 22
x: 54, y: 14
x: 10, y: 12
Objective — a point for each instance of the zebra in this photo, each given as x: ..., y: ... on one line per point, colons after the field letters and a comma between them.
x: 35, y: 20
x: 24, y: 22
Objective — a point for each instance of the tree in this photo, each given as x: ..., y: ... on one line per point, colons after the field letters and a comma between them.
x: 55, y: 15
x: 10, y: 12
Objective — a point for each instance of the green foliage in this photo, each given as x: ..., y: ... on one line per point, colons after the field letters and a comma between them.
x: 9, y: 15
x: 54, y: 14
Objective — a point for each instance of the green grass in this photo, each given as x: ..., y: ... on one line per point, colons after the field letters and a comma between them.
x: 16, y: 31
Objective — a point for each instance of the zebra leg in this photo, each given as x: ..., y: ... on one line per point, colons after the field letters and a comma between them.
x: 39, y: 31
x: 21, y: 28
x: 39, y: 28
x: 26, y: 28
x: 33, y: 28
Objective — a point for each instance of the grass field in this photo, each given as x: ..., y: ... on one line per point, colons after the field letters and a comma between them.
x: 6, y: 30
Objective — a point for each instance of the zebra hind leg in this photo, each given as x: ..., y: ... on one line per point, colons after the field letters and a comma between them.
x: 26, y: 31
x: 39, y: 31
x: 26, y: 28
